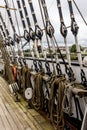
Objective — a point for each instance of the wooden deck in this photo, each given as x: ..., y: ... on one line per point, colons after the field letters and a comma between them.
x: 15, y: 115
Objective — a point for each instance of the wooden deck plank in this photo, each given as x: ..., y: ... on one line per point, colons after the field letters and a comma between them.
x: 23, y: 116
x: 1, y: 124
x: 6, y: 115
x: 20, y: 121
x: 25, y: 119
x: 18, y: 108
x: 14, y: 117
x: 35, y: 120
x: 22, y: 105
x: 3, y: 115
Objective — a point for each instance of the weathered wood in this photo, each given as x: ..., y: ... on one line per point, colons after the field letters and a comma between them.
x: 1, y: 124
x: 23, y: 118
x: 6, y: 115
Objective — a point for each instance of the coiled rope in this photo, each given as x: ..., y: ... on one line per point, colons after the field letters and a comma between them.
x: 55, y: 106
x: 38, y: 95
x: 23, y: 79
x: 19, y: 78
x: 28, y: 78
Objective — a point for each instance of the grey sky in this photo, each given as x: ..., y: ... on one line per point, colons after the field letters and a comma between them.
x: 54, y: 17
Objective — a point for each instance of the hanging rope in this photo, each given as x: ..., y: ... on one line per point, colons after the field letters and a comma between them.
x: 38, y: 95
x: 63, y: 31
x: 46, y: 17
x: 74, y: 29
x: 56, y: 98
x: 28, y: 78
x: 80, y: 12
x: 19, y: 79
x: 16, y: 37
x: 23, y: 78
x: 10, y: 40
x: 67, y: 100
x: 17, y: 23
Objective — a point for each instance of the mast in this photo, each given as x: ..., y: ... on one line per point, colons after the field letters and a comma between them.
x: 74, y: 29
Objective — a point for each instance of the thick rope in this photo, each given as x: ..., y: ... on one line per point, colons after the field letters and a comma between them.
x: 68, y: 95
x: 38, y: 95
x: 23, y: 79
x: 67, y: 100
x: 19, y: 79
x: 56, y: 98
x: 28, y: 79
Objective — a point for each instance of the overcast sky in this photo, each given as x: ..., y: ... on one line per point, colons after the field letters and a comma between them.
x: 54, y: 18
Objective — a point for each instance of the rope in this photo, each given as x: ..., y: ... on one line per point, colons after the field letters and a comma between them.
x: 7, y: 60
x: 46, y: 36
x: 19, y: 78
x: 28, y: 79
x: 23, y: 78
x: 16, y: 18
x: 80, y: 12
x: 17, y: 25
x: 56, y: 98
x: 38, y: 95
x: 67, y: 100
x: 68, y: 95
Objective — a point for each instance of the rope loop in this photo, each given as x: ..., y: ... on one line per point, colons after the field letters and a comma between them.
x: 38, y: 94
x: 67, y: 100
x: 55, y: 105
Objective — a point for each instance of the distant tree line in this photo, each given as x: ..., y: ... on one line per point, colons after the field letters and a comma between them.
x: 73, y: 48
